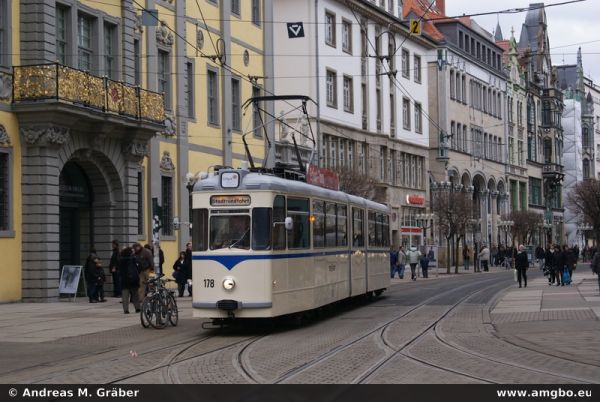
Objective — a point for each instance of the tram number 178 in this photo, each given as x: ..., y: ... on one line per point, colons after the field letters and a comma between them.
x: 209, y: 283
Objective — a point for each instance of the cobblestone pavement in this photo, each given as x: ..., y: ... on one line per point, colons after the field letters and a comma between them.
x: 475, y: 328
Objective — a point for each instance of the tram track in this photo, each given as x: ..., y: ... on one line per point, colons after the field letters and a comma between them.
x: 247, y: 371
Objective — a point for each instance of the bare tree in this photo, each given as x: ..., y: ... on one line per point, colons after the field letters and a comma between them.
x: 525, y: 224
x: 355, y: 183
x: 584, y: 199
x: 452, y: 210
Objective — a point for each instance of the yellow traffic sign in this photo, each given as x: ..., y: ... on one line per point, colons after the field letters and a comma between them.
x: 415, y: 27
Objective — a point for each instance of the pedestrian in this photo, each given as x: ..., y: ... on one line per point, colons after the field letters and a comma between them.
x: 431, y: 254
x: 539, y: 256
x: 466, y: 253
x: 99, y: 278
x: 424, y: 265
x: 145, y: 265
x: 401, y: 262
x: 595, y: 266
x: 413, y: 257
x: 188, y: 266
x: 113, y: 265
x: 179, y: 273
x: 521, y: 265
x: 89, y: 271
x: 559, y: 265
x: 572, y: 256
x: 549, y: 264
x: 393, y: 262
x: 161, y: 256
x: 130, y: 280
x: 484, y: 257
x: 494, y: 256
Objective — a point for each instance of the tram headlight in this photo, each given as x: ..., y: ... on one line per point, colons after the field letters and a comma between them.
x: 228, y: 283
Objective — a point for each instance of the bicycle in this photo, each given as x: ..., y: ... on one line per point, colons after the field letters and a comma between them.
x: 159, y: 307
x: 506, y: 263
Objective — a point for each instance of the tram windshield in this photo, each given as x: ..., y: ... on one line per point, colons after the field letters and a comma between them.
x: 230, y: 231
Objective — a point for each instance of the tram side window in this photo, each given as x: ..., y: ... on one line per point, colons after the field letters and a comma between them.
x: 383, y: 223
x: 372, y: 231
x: 278, y: 230
x: 342, y: 225
x: 261, y: 229
x: 330, y: 225
x: 199, y: 229
x: 318, y: 224
x: 358, y: 216
x: 299, y: 236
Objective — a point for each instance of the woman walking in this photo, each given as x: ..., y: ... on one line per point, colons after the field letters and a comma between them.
x: 179, y: 273
x: 521, y: 264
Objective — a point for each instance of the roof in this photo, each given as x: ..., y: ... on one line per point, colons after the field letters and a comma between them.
x: 421, y: 8
x: 250, y: 181
x: 504, y: 45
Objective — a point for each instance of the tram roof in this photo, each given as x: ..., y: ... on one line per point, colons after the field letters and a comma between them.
x: 251, y: 181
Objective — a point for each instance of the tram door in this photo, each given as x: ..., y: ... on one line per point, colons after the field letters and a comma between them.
x: 358, y: 256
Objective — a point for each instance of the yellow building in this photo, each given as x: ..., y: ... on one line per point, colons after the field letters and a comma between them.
x: 105, y: 105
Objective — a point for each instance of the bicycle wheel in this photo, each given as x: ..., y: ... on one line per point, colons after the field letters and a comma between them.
x: 159, y: 313
x: 173, y: 311
x: 146, y: 312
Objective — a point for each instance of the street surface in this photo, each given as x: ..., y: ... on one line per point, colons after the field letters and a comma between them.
x: 477, y: 328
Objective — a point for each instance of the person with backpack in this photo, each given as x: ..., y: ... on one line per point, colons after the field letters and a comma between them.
x: 130, y: 280
x: 595, y: 265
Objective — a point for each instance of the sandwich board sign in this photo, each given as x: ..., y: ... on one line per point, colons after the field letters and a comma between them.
x: 69, y: 280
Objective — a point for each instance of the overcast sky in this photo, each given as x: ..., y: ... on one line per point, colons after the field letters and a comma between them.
x: 567, y: 25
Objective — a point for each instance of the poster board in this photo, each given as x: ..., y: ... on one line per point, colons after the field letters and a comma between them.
x: 69, y: 279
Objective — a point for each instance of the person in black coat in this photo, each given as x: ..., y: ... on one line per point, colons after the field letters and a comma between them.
x: 113, y: 265
x: 521, y: 264
x: 130, y: 280
x: 89, y: 271
x: 572, y: 257
x: 549, y: 264
x: 559, y: 265
x: 179, y: 273
x: 188, y: 266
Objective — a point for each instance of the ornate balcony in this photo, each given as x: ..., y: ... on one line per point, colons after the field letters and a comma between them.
x: 553, y: 171
x: 54, y: 83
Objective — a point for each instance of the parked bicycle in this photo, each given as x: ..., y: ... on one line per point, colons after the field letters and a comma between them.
x: 159, y: 307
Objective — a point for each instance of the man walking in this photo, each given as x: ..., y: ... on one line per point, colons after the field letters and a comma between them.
x: 114, y: 268
x: 521, y: 264
x: 393, y: 262
x: 401, y: 262
x: 145, y: 262
x: 413, y: 257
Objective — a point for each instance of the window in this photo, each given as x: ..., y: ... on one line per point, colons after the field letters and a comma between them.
x: 189, y: 90
x: 84, y: 42
x: 461, y: 40
x: 405, y: 63
x: 392, y: 115
x: 452, y: 87
x: 299, y: 236
x: 235, y: 7
x: 464, y: 90
x: 137, y: 70
x: 347, y: 36
x: 365, y: 113
x: 261, y: 228
x: 535, y: 191
x: 140, y: 203
x: 61, y: 32
x: 406, y: 114
x: 330, y: 225
x: 110, y: 60
x: 331, y: 88
x: 236, y: 111
x: 164, y: 77
x: 378, y: 108
x: 5, y: 191
x: 418, y: 118
x: 167, y: 205
x: 278, y: 228
x: 213, y: 97
x: 391, y: 6
x: 342, y: 226
x: 200, y: 229
x: 453, y: 134
x: 358, y: 237
x: 256, y: 12
x: 230, y: 231
x: 318, y: 212
x: 330, y: 29
x: 417, y: 68
x: 348, y: 94
x: 586, y: 168
x: 257, y: 124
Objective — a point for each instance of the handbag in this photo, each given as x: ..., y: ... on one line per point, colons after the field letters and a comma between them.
x: 566, y: 277
x: 515, y: 275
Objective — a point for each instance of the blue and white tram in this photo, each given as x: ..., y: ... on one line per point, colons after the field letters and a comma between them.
x: 264, y: 246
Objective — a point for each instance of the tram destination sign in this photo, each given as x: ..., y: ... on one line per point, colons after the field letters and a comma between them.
x: 229, y: 200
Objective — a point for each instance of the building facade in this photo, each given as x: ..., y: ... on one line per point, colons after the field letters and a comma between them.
x: 367, y: 75
x: 105, y: 106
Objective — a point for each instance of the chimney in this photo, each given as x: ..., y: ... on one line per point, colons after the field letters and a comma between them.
x: 441, y: 6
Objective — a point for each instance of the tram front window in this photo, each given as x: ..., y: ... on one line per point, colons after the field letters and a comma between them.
x: 231, y: 231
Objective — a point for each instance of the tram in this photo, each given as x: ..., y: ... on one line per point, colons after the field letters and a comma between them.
x: 266, y: 246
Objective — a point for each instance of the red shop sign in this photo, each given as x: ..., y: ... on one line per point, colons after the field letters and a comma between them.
x: 322, y: 177
x: 415, y: 199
